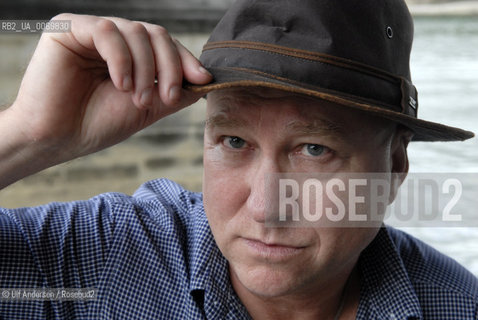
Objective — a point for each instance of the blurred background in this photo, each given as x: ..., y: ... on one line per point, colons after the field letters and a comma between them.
x: 444, y: 69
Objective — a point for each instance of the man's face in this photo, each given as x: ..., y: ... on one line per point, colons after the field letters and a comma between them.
x: 251, y: 134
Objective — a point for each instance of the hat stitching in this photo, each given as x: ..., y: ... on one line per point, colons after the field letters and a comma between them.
x: 402, y: 84
x: 376, y: 110
x: 305, y: 54
x: 324, y: 90
x: 440, y: 131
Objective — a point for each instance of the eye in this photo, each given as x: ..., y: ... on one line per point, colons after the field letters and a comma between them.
x: 234, y: 142
x: 314, y: 150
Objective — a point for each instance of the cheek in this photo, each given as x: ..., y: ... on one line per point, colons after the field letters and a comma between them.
x: 340, y: 246
x: 221, y: 184
x: 224, y: 194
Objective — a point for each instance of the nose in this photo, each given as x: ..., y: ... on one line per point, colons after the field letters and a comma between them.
x: 261, y: 187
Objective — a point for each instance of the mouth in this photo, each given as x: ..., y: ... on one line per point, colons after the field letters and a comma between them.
x: 272, y: 251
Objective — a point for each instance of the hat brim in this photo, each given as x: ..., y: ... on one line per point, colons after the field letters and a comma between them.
x: 423, y: 130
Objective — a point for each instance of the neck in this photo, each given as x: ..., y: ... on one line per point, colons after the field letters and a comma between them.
x: 338, y: 300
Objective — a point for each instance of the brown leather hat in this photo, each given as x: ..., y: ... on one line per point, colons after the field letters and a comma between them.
x: 352, y: 52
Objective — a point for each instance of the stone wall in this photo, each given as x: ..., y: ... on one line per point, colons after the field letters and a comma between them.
x: 176, y: 15
x: 170, y: 148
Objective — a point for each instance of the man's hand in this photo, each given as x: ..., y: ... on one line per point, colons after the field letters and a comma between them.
x: 91, y: 88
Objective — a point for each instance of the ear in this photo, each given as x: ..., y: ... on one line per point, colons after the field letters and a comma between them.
x: 399, y: 159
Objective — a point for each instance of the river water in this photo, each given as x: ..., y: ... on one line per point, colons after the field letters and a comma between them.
x: 444, y: 66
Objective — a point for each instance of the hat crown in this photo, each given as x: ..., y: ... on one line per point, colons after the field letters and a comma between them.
x: 377, y: 33
x: 355, y: 53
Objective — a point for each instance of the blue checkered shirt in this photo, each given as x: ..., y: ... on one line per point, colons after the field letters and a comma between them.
x: 152, y: 256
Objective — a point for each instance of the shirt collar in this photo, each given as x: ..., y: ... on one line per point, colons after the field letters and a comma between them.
x: 386, y: 291
x: 209, y: 273
x: 203, y: 252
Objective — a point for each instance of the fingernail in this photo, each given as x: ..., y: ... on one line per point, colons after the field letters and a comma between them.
x: 174, y: 93
x: 127, y: 83
x: 146, y: 97
x: 204, y: 71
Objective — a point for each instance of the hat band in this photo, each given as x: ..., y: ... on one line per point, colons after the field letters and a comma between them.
x: 315, y: 69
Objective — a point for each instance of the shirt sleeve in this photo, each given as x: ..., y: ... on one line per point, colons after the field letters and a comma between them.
x: 59, y: 245
x: 132, y: 249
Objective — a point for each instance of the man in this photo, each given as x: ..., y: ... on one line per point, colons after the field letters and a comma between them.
x: 296, y: 87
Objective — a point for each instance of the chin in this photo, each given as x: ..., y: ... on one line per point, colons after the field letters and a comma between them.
x: 268, y: 282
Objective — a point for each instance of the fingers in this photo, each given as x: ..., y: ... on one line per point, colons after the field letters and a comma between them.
x: 168, y: 65
x: 157, y: 54
x: 103, y: 37
x: 136, y: 53
x: 173, y: 62
x: 143, y: 62
x: 193, y: 70
x: 114, y: 50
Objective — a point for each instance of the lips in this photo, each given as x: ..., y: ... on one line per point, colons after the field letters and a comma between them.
x: 272, y: 251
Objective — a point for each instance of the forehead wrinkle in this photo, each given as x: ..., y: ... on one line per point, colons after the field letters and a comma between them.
x: 315, y: 127
x: 229, y: 109
x: 221, y: 120
x: 305, y: 121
